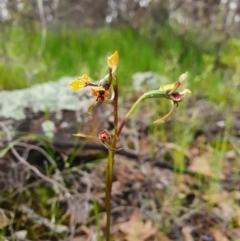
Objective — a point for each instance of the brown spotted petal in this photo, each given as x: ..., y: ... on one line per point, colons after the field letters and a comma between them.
x: 178, y: 96
x: 100, y: 93
x: 104, y: 136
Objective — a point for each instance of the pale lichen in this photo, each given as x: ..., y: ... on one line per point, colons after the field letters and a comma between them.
x: 50, y: 97
x: 53, y: 97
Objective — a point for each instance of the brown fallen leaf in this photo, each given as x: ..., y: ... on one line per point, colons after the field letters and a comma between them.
x: 6, y: 217
x: 186, y: 232
x: 218, y: 196
x: 218, y: 235
x: 162, y: 237
x: 236, y: 233
x: 80, y: 238
x: 201, y: 165
x: 225, y: 206
x: 83, y: 233
x: 136, y: 230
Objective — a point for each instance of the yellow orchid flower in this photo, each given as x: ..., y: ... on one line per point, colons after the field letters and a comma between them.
x: 165, y: 91
x: 100, y: 93
x: 113, y: 61
x: 79, y: 83
x: 170, y: 89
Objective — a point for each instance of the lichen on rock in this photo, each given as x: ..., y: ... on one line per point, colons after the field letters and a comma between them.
x: 52, y: 97
x: 55, y: 96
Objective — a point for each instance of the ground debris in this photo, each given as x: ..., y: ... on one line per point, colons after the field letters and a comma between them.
x: 162, y: 190
x: 36, y: 218
x: 137, y: 230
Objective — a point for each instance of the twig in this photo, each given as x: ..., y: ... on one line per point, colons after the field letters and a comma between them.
x: 32, y: 168
x: 44, y: 28
x: 30, y: 147
x: 36, y: 218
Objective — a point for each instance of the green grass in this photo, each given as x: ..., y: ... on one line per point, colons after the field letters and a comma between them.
x: 70, y: 52
x: 73, y: 52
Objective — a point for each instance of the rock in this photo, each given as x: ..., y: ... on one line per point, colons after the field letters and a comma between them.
x: 50, y: 97
x: 148, y: 80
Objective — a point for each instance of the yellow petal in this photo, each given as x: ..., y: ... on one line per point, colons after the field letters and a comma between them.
x: 182, y: 77
x: 79, y: 83
x: 98, y: 88
x: 91, y: 107
x: 173, y: 87
x: 79, y: 135
x: 167, y: 87
x: 166, y: 117
x: 185, y: 91
x: 87, y: 136
x: 113, y: 61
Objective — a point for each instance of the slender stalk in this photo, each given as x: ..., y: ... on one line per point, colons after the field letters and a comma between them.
x: 109, y: 77
x: 117, y: 131
x: 109, y: 172
x: 150, y: 94
x: 108, y: 191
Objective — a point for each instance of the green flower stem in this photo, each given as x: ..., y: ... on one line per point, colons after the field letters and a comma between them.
x: 109, y: 77
x: 150, y: 94
x: 117, y: 131
x: 115, y: 110
x: 109, y: 172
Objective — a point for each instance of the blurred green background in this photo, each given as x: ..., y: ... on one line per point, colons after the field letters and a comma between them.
x: 45, y: 40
